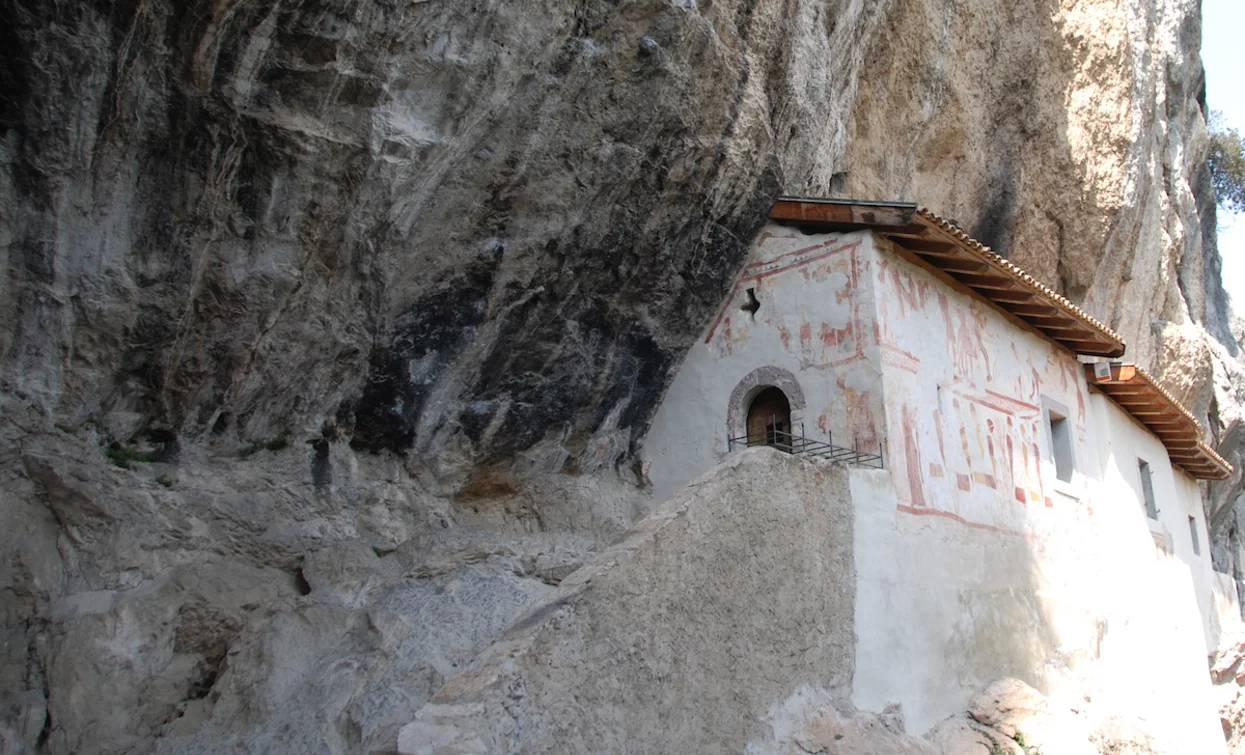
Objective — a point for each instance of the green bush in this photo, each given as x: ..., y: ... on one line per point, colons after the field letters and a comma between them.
x: 278, y: 443
x: 125, y: 457
x: 1226, y: 161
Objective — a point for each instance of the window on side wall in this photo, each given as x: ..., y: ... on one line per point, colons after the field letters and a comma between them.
x: 1147, y: 489
x: 1060, y: 432
x: 1197, y: 549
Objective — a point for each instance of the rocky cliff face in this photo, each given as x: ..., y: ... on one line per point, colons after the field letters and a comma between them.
x: 333, y: 325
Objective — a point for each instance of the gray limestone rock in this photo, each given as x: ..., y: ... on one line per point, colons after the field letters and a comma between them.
x: 680, y: 638
x: 465, y: 230
x: 316, y: 309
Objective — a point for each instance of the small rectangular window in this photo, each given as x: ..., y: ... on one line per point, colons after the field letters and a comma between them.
x: 1147, y: 489
x: 1061, y: 444
x: 1197, y: 549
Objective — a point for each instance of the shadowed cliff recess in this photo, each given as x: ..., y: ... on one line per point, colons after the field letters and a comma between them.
x: 332, y: 322
x: 413, y: 225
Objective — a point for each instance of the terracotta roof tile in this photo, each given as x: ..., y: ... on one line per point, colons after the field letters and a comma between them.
x: 1018, y: 273
x: 913, y: 229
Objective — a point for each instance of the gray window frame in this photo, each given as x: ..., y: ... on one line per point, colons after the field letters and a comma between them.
x: 1060, y: 439
x: 1145, y: 474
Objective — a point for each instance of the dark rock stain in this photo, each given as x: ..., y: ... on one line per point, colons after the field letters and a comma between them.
x: 321, y: 470
x: 997, y: 206
x: 427, y: 337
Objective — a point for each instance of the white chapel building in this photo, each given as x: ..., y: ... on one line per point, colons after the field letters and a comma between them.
x: 1026, y: 503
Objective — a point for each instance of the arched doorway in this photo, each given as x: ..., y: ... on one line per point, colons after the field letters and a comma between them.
x: 769, y: 419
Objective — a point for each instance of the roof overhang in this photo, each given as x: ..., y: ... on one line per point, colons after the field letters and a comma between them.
x: 1139, y: 394
x: 940, y: 246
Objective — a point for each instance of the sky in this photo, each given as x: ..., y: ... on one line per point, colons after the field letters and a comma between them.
x: 1222, y: 55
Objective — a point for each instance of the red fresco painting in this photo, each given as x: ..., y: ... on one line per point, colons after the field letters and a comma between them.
x: 732, y: 340
x: 815, y: 343
x: 831, y: 336
x: 969, y: 341
x: 860, y: 423
x: 910, y: 292
x: 912, y: 457
x: 996, y: 441
x: 942, y: 447
x: 1002, y: 426
x: 998, y: 422
x: 754, y: 273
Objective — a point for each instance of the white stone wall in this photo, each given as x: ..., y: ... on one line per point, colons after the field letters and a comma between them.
x: 816, y: 321
x: 1177, y: 497
x: 966, y: 390
x: 973, y: 561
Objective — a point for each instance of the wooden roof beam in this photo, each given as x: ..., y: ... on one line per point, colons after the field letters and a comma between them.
x: 1039, y: 310
x: 1182, y: 442
x: 1135, y: 406
x: 1170, y: 423
x: 927, y: 247
x: 958, y: 265
x: 1182, y: 439
x: 1070, y: 326
x: 1010, y: 295
x: 872, y: 214
x: 987, y: 281
x: 1135, y: 397
x: 913, y: 231
x: 1089, y: 346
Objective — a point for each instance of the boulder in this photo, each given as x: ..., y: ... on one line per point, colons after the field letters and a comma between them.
x: 1024, y: 715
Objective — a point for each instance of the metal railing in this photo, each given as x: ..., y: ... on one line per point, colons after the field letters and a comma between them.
x: 802, y: 445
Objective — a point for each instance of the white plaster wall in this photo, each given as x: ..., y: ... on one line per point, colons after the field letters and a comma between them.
x: 951, y: 595
x: 1154, y: 595
x: 974, y: 562
x: 965, y: 390
x: 941, y: 609
x: 816, y: 320
x: 1177, y: 497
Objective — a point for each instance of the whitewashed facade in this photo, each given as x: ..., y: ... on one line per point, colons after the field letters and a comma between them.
x: 978, y: 553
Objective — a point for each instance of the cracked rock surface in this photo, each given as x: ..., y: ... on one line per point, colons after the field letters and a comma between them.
x: 332, y: 326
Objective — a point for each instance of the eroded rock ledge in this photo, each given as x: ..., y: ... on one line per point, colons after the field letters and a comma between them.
x: 408, y: 279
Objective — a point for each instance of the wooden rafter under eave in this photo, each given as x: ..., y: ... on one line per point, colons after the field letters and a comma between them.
x: 1136, y: 392
x: 941, y: 246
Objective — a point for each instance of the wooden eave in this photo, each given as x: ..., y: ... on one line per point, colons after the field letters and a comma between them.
x: 1139, y: 394
x: 939, y: 245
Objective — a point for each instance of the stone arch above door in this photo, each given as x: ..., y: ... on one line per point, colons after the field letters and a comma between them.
x: 752, y: 384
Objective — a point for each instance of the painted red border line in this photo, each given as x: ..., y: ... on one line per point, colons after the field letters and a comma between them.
x: 735, y: 289
x: 800, y: 263
x: 805, y: 250
x: 957, y: 518
x: 1016, y: 401
x: 722, y: 312
x: 999, y: 403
